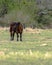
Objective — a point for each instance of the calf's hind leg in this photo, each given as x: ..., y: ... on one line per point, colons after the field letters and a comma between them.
x: 20, y: 36
x: 17, y: 37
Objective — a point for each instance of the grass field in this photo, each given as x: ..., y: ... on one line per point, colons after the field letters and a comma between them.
x: 35, y: 49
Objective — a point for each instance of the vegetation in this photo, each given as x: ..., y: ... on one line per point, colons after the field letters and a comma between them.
x: 36, y: 48
x: 25, y: 11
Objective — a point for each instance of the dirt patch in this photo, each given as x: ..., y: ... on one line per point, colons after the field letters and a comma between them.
x: 2, y: 53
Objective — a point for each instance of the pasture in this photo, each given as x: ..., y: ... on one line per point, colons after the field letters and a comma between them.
x: 35, y: 49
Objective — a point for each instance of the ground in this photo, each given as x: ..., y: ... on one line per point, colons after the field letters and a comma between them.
x: 35, y: 49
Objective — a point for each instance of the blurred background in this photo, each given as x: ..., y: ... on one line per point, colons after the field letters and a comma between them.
x: 32, y: 13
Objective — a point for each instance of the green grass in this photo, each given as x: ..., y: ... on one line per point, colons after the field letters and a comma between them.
x: 35, y: 49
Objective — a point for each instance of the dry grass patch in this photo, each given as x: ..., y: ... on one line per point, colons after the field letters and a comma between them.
x: 30, y: 30
x: 4, y: 28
